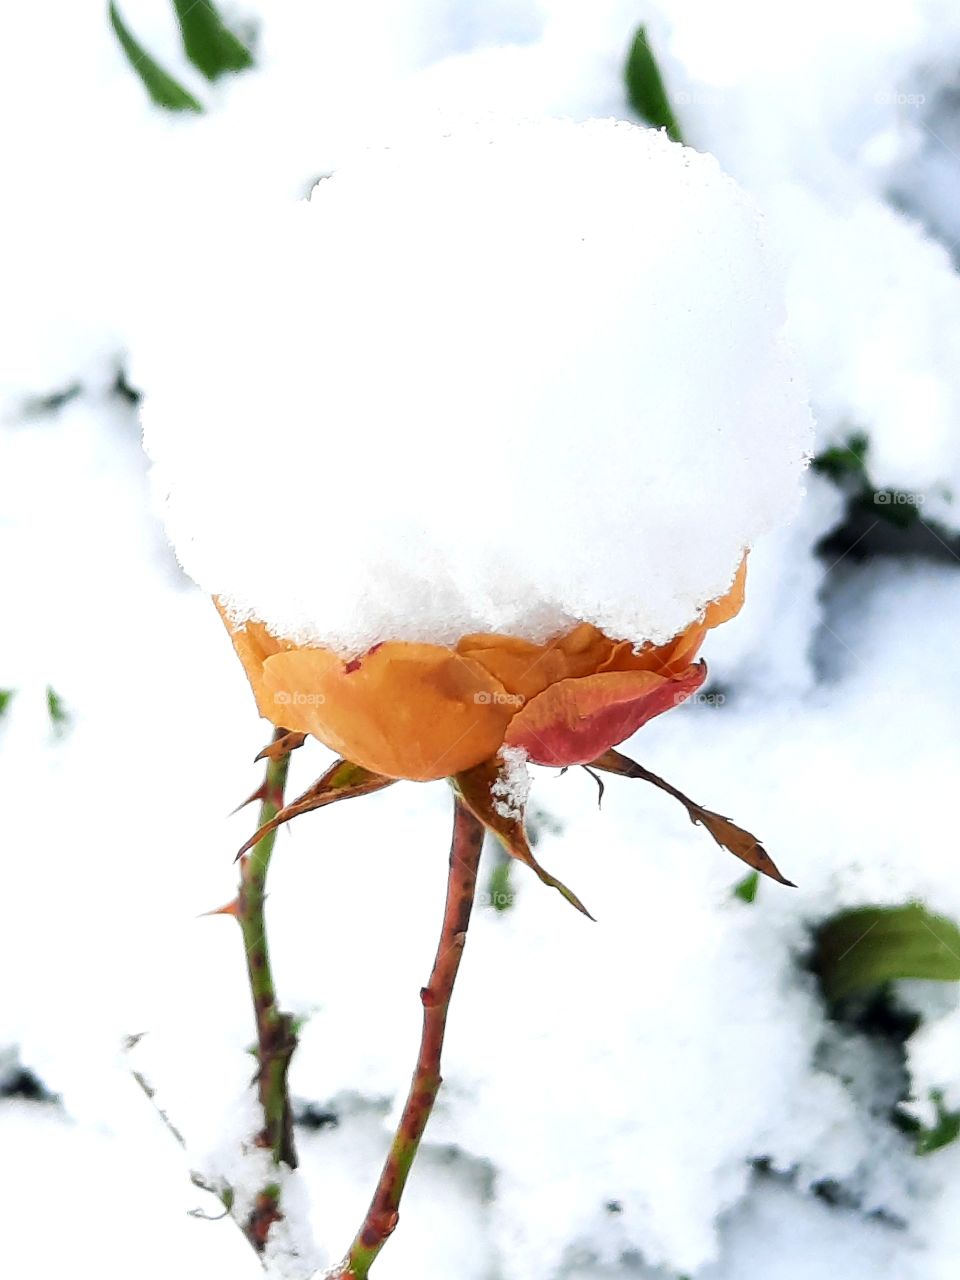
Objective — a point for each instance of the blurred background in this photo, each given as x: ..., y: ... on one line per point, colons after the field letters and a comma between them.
x: 720, y: 1080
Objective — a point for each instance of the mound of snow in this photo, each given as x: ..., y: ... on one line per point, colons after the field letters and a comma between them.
x: 499, y: 380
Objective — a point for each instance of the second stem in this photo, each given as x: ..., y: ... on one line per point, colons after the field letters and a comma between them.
x: 384, y: 1208
x: 276, y: 1039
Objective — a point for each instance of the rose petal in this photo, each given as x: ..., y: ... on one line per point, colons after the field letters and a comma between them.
x: 575, y: 721
x: 526, y: 669
x: 412, y: 711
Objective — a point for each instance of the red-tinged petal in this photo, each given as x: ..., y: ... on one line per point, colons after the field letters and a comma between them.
x: 575, y: 721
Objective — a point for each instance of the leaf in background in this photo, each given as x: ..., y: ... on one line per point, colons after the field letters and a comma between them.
x: 162, y: 88
x: 5, y: 696
x: 212, y: 47
x: 897, y: 506
x: 870, y: 946
x: 945, y: 1131
x: 645, y: 88
x: 500, y: 890
x: 846, y: 466
x: 844, y: 461
x: 746, y: 889
x: 59, y: 716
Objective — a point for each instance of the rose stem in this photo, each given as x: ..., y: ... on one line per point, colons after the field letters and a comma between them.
x: 276, y: 1039
x: 435, y: 996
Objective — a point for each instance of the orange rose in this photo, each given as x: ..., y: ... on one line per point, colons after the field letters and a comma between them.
x: 425, y: 711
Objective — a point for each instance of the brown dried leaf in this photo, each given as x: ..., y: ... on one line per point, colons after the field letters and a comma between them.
x: 727, y: 834
x: 342, y: 781
x: 475, y: 789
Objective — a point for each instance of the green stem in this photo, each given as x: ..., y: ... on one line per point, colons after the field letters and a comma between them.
x: 276, y: 1039
x: 384, y: 1208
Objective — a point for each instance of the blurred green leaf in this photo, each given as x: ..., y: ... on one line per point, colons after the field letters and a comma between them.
x: 874, y: 945
x: 59, y: 716
x: 162, y: 88
x: 209, y: 44
x: 897, y: 506
x: 945, y: 1131
x: 746, y: 889
x: 930, y: 1138
x: 846, y: 465
x: 645, y: 87
x: 5, y: 696
x: 36, y: 406
x: 500, y: 887
x: 844, y: 461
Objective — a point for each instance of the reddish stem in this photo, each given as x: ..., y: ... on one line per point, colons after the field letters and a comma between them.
x: 384, y: 1208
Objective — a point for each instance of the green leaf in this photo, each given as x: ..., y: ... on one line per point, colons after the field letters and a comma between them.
x: 930, y: 1138
x: 501, y: 893
x: 870, y: 946
x: 645, y: 88
x: 5, y: 697
x: 161, y: 86
x: 898, y: 507
x: 945, y: 1131
x: 746, y: 889
x: 846, y: 465
x: 59, y: 716
x: 844, y: 461
x: 211, y: 47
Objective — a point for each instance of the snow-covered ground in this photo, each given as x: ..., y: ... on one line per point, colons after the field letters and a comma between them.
x: 662, y: 1093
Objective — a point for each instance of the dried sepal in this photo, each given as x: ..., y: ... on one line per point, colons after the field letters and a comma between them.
x: 342, y: 781
x: 727, y: 834
x: 478, y: 789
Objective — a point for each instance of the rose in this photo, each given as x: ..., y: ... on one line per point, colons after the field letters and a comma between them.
x: 424, y: 711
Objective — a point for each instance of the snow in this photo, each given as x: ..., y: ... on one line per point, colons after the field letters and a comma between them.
x: 520, y: 401
x: 658, y: 1094
x: 512, y: 787
x: 846, y: 144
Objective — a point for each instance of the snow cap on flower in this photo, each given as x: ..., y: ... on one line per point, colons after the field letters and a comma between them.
x: 506, y: 381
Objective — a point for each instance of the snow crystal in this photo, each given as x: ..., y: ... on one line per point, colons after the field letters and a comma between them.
x: 500, y: 380
x: 512, y: 787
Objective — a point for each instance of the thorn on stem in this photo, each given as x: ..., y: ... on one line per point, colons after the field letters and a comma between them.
x: 228, y: 909
x: 259, y: 794
x: 282, y: 745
